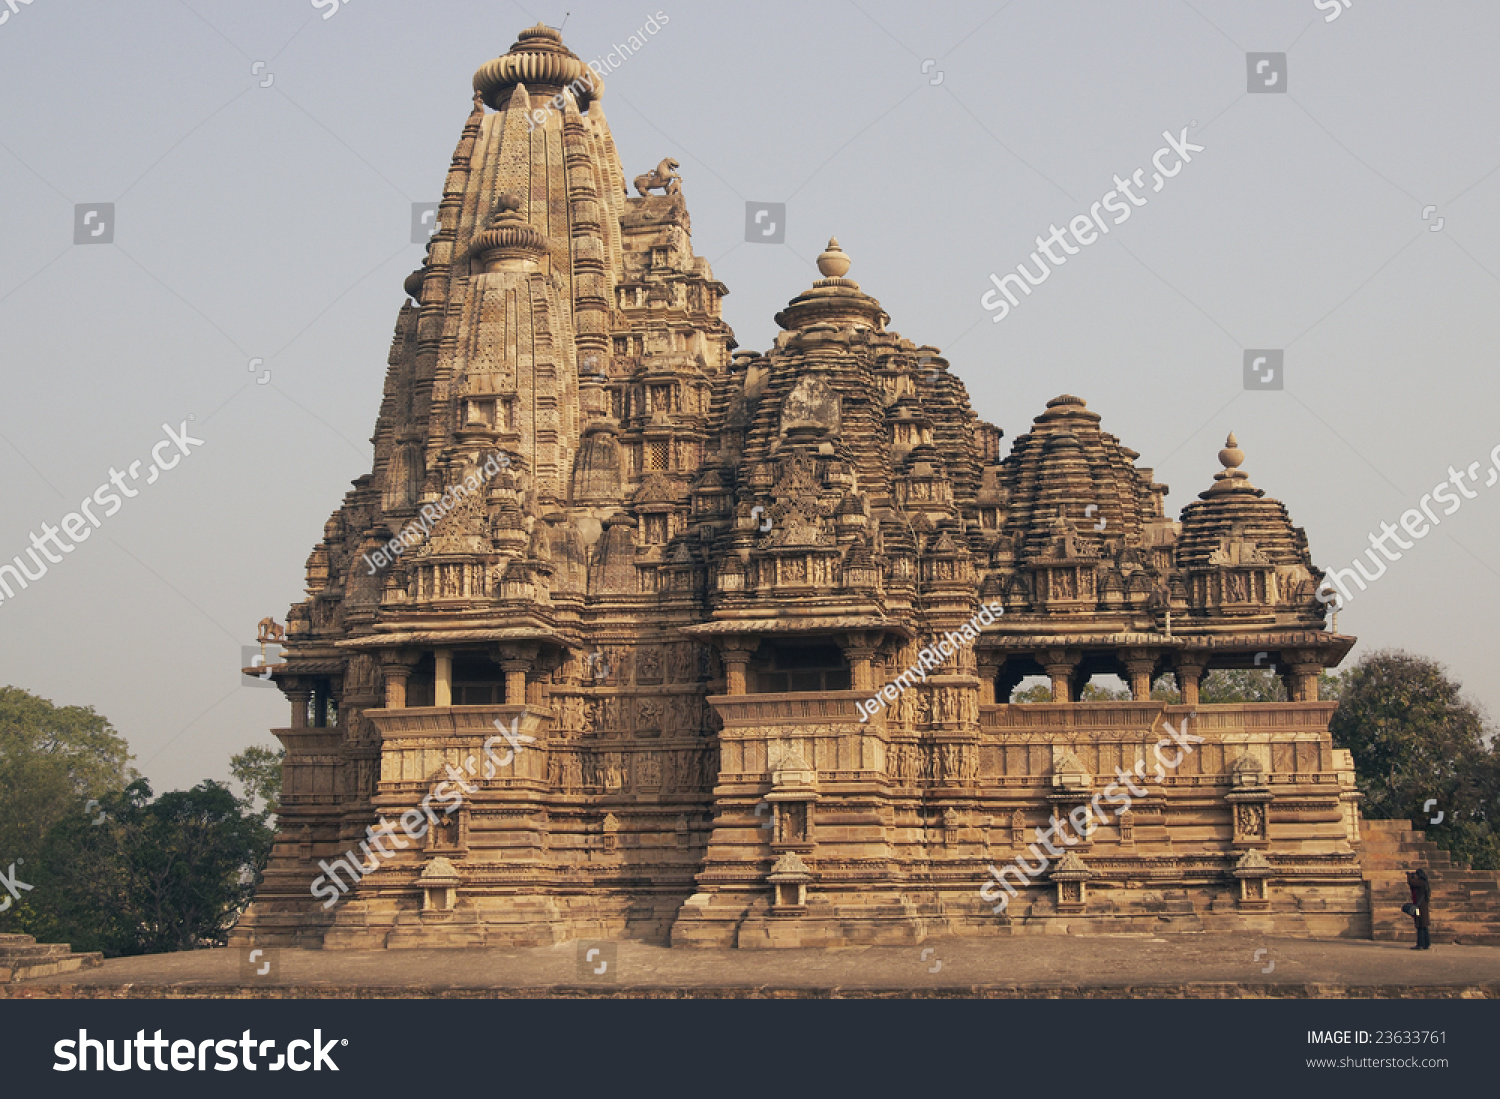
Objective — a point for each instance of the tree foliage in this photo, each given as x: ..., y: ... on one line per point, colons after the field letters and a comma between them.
x: 162, y: 874
x: 53, y: 759
x: 110, y: 867
x: 1416, y: 739
x: 258, y: 771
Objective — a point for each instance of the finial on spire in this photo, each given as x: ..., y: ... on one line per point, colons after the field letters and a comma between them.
x: 832, y: 261
x: 1231, y: 478
x: 1231, y: 457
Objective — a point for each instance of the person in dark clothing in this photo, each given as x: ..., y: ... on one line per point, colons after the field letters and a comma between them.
x: 1421, y: 903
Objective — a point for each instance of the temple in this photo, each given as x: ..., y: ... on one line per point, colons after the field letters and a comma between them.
x: 620, y: 597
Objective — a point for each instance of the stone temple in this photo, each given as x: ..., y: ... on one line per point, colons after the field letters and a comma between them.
x: 675, y: 574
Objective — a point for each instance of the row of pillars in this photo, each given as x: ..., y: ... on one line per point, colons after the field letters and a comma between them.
x: 316, y: 699
x: 516, y: 664
x: 1062, y: 667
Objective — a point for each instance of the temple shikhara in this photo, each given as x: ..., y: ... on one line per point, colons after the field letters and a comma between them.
x: 621, y: 679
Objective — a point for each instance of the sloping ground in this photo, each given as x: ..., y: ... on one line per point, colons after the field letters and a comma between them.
x: 1465, y: 902
x: 22, y: 957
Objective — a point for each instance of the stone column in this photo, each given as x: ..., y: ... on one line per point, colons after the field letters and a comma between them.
x: 861, y: 678
x: 1139, y: 669
x: 1304, y: 682
x: 1060, y: 666
x: 1189, y: 675
x: 515, y: 680
x: 442, y: 677
x: 734, y: 671
x: 300, y: 698
x: 861, y: 655
x: 396, y: 672
x: 988, y: 664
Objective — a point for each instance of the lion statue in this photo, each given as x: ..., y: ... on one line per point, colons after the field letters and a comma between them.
x: 663, y: 177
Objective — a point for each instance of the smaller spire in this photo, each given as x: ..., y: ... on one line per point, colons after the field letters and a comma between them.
x: 508, y: 233
x: 833, y: 263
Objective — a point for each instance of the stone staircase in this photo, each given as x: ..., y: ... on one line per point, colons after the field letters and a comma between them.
x: 1465, y: 903
x: 21, y: 956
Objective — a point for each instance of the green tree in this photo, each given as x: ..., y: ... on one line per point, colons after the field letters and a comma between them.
x: 258, y: 771
x: 53, y: 759
x: 1415, y: 738
x: 171, y: 873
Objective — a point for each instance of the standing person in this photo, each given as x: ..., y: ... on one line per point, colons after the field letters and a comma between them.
x: 1421, y: 906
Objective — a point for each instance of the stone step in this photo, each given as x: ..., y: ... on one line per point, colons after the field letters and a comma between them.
x: 49, y: 967
x: 10, y: 955
x: 16, y: 940
x: 1465, y: 902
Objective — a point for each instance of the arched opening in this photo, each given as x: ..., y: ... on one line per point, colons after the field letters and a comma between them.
x: 1033, y: 688
x: 1105, y: 687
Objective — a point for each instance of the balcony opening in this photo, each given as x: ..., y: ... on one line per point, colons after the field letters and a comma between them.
x: 322, y: 706
x: 419, y: 686
x: 787, y: 668
x: 1034, y: 688
x: 477, y: 680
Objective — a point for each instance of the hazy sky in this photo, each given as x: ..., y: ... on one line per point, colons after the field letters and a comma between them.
x: 274, y: 222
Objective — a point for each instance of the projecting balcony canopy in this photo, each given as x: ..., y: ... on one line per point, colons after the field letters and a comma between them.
x: 797, y: 624
x: 1236, y: 649
x: 398, y: 638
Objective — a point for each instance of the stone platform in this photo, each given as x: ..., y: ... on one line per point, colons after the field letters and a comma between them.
x: 1207, y: 965
x: 22, y: 957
